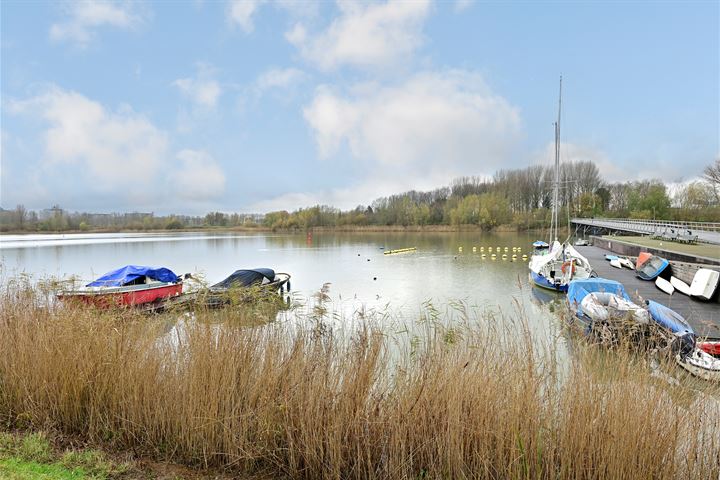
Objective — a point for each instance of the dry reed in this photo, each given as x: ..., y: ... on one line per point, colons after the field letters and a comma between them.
x: 303, y: 401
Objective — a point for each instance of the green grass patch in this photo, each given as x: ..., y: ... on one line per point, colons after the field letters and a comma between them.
x: 33, y: 456
x: 19, y: 469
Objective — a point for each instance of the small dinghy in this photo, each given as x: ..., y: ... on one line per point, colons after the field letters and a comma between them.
x: 626, y: 262
x: 664, y: 285
x: 704, y: 283
x: 695, y: 357
x: 598, y: 299
x: 615, y: 262
x: 680, y: 286
x: 582, y: 243
x: 642, y: 258
x: 652, y: 268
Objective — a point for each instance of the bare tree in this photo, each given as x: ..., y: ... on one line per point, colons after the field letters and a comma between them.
x: 712, y: 175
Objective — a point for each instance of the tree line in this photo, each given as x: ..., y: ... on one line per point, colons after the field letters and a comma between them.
x: 519, y: 198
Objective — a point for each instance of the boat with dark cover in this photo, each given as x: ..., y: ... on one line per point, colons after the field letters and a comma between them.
x: 243, y: 281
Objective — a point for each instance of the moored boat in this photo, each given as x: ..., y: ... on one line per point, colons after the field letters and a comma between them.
x: 597, y: 300
x: 241, y: 282
x: 556, y: 268
x: 131, y: 285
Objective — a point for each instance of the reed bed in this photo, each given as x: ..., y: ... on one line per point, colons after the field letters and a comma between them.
x: 304, y: 400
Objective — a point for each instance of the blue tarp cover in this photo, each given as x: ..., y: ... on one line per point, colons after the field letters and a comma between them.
x: 579, y: 289
x: 668, y: 318
x: 129, y: 273
x: 245, y: 278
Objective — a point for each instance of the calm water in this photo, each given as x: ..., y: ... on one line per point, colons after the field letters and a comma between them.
x: 360, y: 276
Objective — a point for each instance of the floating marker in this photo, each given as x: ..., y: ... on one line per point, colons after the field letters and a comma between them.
x: 498, y: 249
x: 474, y: 249
x: 506, y: 249
x: 401, y: 250
x: 482, y: 249
x: 459, y: 249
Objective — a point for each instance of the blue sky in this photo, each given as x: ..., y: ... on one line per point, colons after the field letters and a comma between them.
x: 187, y: 107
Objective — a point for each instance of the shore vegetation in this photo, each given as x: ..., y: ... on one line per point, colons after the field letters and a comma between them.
x: 460, y: 394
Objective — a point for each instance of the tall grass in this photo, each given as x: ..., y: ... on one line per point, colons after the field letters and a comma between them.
x: 300, y: 400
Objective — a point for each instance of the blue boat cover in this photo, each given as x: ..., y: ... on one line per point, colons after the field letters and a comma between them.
x: 245, y: 278
x: 579, y: 289
x: 611, y: 257
x: 131, y: 273
x: 668, y: 318
x: 653, y: 267
x: 540, y: 244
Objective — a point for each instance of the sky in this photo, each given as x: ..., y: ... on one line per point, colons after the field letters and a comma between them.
x: 260, y: 105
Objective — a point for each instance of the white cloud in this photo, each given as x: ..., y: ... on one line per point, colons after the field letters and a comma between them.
x: 365, y: 35
x: 418, y: 134
x: 86, y: 16
x: 111, y: 148
x: 279, y: 78
x: 119, y: 156
x: 240, y: 12
x: 462, y: 5
x: 203, y: 90
x: 243, y: 12
x: 198, y: 177
x: 438, y: 122
x: 345, y: 198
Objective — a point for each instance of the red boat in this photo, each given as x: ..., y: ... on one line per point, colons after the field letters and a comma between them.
x: 128, y: 286
x: 710, y: 346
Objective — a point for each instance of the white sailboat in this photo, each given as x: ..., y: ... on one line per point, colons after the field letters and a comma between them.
x: 556, y: 268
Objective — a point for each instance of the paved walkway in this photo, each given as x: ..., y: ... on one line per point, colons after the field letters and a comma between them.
x: 704, y: 317
x: 698, y: 249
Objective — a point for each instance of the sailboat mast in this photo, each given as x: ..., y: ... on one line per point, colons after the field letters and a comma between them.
x: 556, y: 199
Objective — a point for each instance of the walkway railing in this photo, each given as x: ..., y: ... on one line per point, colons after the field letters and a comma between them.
x: 704, y: 231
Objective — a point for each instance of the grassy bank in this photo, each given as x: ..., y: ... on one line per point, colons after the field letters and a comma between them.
x: 305, y: 400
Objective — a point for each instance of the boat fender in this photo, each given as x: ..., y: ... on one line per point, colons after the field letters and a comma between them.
x: 567, y: 265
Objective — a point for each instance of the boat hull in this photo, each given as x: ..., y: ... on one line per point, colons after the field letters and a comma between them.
x: 123, y: 297
x: 543, y: 282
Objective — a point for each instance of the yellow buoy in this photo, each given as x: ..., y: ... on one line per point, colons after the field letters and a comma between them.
x: 459, y: 249
x: 506, y: 249
x: 498, y: 249
x: 482, y: 249
x: 474, y: 249
x: 482, y: 256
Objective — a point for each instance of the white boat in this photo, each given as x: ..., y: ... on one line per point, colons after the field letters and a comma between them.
x: 615, y: 262
x: 664, y: 285
x: 701, y: 364
x: 625, y: 262
x: 555, y: 269
x: 680, y: 286
x: 704, y: 283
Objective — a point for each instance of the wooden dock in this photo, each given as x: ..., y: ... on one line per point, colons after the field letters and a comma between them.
x: 704, y: 317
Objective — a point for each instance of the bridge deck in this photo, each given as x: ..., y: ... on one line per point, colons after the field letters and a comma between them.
x: 704, y: 232
x: 704, y: 317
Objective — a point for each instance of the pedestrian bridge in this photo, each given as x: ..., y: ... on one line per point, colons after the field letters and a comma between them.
x: 676, y: 231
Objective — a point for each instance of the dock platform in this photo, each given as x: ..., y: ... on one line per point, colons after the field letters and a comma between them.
x: 704, y: 317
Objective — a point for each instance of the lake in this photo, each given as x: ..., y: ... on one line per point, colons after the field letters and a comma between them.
x: 352, y: 265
